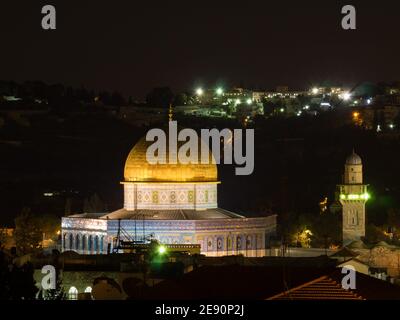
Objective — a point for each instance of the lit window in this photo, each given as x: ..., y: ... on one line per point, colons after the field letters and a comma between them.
x: 88, y: 290
x: 73, y: 293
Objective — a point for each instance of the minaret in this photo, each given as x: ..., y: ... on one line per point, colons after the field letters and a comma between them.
x: 353, y: 196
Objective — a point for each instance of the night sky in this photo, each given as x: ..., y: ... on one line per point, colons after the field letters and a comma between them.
x: 133, y: 46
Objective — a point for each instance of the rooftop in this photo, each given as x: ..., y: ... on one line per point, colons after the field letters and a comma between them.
x: 178, y: 214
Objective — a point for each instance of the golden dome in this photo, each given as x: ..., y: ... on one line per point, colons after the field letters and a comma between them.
x: 137, y: 169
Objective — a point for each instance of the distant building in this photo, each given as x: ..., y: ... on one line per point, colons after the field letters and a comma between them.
x: 238, y: 95
x: 326, y: 90
x: 142, y: 116
x: 378, y: 117
x: 282, y: 89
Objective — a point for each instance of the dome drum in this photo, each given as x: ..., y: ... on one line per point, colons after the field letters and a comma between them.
x: 168, y: 186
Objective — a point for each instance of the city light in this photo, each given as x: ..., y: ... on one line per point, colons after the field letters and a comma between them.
x: 249, y: 101
x: 308, y: 232
x: 237, y: 101
x: 199, y: 91
x: 391, y: 126
x: 315, y: 90
x: 220, y: 91
x: 282, y: 110
x: 306, y: 107
x: 346, y: 96
x: 162, y: 249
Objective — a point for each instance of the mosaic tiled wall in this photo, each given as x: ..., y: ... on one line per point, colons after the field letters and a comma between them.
x: 170, y: 196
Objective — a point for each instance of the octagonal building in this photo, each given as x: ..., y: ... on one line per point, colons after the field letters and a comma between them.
x: 173, y: 203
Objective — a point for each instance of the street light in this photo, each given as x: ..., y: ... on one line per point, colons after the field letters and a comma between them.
x: 161, y: 249
x: 314, y: 90
x: 346, y: 96
x: 199, y: 91
x: 249, y: 101
x: 220, y: 91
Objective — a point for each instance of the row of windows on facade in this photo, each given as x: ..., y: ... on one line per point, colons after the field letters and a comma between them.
x: 155, y: 198
x: 89, y: 243
x: 228, y: 245
x: 73, y: 292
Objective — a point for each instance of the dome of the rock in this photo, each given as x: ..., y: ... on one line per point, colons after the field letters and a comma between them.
x: 138, y: 169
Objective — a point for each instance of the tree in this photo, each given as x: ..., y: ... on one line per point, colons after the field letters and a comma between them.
x: 181, y: 99
x: 374, y: 234
x: 117, y: 99
x: 160, y: 97
x: 105, y: 98
x: 29, y: 230
x: 393, y: 218
x: 28, y: 233
x: 327, y: 230
x: 56, y: 294
x: 21, y: 283
x: 16, y: 283
x: 48, y: 225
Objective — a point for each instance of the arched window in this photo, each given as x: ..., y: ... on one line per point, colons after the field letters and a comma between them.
x: 83, y: 243
x: 88, y: 290
x: 71, y: 242
x: 238, y: 243
x: 219, y: 244
x: 102, y: 244
x: 65, y: 241
x: 77, y: 242
x: 73, y: 293
x: 96, y: 244
x: 248, y: 242
x: 90, y: 244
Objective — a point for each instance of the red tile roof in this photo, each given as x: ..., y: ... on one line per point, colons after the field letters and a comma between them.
x: 323, y: 288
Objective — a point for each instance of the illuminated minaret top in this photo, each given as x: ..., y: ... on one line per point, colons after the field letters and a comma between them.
x: 353, y: 169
